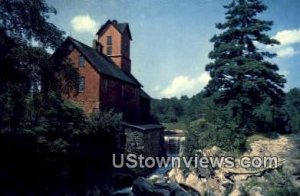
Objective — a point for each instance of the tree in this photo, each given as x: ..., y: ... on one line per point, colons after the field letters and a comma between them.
x: 168, y: 110
x: 38, y: 129
x: 292, y: 109
x: 242, y: 76
x: 48, y: 145
x: 173, y: 109
x: 25, y: 68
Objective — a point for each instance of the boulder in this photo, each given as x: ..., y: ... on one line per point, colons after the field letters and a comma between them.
x: 121, y: 180
x: 176, y: 175
x: 205, y: 172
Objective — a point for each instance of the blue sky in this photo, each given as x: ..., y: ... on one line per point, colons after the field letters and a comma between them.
x: 171, y: 37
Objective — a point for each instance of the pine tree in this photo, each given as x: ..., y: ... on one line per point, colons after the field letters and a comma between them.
x: 242, y: 76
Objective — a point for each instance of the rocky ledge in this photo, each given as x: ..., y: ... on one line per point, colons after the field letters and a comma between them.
x: 283, y: 180
x: 142, y: 186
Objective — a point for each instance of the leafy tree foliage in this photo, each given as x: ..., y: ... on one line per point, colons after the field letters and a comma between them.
x: 292, y: 109
x: 208, y: 135
x: 242, y: 78
x: 26, y: 21
x: 25, y: 69
x: 105, y: 128
x: 168, y: 110
x: 174, y: 110
x: 48, y: 145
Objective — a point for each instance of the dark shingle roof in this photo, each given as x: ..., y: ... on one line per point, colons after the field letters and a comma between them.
x: 103, y: 64
x: 144, y: 94
x: 145, y: 127
x: 121, y: 27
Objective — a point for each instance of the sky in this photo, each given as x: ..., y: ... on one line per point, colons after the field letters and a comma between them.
x: 170, y: 43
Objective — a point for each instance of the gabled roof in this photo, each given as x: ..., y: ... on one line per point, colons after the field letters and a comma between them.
x: 145, y: 127
x: 121, y: 27
x: 102, y: 63
x: 144, y: 94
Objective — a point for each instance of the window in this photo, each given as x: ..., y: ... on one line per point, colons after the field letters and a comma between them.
x: 99, y: 48
x: 81, y: 84
x: 95, y: 110
x: 108, y: 50
x: 70, y: 48
x: 109, y: 40
x: 122, y: 91
x: 81, y: 61
x: 105, y: 85
x: 109, y: 45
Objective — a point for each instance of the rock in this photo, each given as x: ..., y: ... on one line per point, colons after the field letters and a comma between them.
x: 205, y: 172
x: 196, y: 183
x: 158, y: 179
x: 228, y: 187
x: 176, y: 175
x: 232, y: 181
x: 255, y: 191
x: 175, y: 189
x: 213, y: 152
x: 192, y: 179
x: 121, y: 180
x: 236, y: 192
x: 191, y: 190
x: 141, y: 186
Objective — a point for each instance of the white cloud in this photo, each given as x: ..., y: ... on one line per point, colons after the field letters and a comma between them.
x: 84, y: 24
x: 286, y: 52
x: 182, y: 85
x: 288, y: 37
x: 157, y: 88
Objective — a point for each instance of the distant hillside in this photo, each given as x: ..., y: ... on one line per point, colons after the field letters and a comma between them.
x: 177, y: 112
x: 184, y: 109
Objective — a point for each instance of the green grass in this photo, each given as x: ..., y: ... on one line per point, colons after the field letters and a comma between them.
x: 177, y: 125
x: 196, y: 122
x: 182, y: 125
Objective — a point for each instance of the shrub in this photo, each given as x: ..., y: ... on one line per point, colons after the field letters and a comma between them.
x: 278, y: 183
x: 104, y: 133
x: 105, y: 122
x: 292, y: 109
x: 204, y: 135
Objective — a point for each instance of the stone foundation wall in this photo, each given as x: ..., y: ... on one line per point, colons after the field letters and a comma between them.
x: 145, y: 142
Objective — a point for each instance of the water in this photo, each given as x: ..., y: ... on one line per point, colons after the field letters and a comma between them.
x: 173, y: 148
x: 158, y: 175
x: 126, y: 190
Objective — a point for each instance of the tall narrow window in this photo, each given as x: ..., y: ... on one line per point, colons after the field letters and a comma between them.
x: 108, y: 50
x: 81, y: 84
x: 109, y: 40
x: 122, y: 90
x: 109, y: 45
x: 105, y: 85
x: 70, y: 48
x: 81, y: 61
